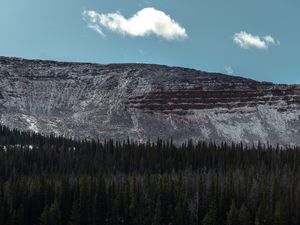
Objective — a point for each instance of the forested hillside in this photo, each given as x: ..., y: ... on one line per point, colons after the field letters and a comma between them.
x: 57, y: 181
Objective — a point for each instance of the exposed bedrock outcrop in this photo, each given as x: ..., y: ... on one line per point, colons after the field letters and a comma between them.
x: 144, y: 102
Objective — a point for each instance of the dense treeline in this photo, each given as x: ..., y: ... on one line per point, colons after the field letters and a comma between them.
x: 57, y: 181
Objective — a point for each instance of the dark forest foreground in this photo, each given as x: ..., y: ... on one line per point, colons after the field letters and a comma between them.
x: 57, y: 181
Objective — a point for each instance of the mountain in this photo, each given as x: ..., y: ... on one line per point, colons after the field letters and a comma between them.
x: 142, y: 102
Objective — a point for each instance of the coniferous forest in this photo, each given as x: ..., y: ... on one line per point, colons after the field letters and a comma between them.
x: 57, y: 181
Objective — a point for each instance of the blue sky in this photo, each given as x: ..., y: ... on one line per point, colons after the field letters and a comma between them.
x: 252, y: 38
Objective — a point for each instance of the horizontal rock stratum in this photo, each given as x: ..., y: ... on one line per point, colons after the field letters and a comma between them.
x: 144, y: 102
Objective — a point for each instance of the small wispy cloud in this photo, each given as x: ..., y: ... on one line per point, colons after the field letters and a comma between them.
x: 96, y: 28
x: 228, y: 70
x: 147, y: 21
x: 246, y: 40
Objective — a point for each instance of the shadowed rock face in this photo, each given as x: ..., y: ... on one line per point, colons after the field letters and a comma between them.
x: 145, y: 102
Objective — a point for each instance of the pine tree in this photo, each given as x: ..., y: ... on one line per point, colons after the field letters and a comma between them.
x: 244, y: 216
x: 179, y: 217
x: 84, y: 200
x: 101, y: 202
x: 279, y: 217
x: 55, y: 214
x: 133, y: 208
x: 51, y: 215
x: 157, y: 213
x: 75, y: 214
x: 211, y: 217
x: 232, y: 214
x: 260, y: 216
x: 17, y: 217
x: 115, y: 212
x: 45, y: 217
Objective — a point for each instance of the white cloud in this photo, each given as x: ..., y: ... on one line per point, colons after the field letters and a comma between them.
x: 228, y: 70
x: 96, y: 28
x: 246, y: 40
x: 269, y: 39
x: 145, y: 22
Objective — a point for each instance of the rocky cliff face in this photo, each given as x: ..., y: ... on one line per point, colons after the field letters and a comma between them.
x: 145, y: 102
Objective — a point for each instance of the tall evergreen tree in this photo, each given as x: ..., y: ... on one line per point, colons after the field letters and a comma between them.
x: 280, y: 217
x: 51, y: 215
x: 211, y: 217
x: 244, y: 216
x: 75, y: 218
x: 232, y: 214
x: 157, y: 213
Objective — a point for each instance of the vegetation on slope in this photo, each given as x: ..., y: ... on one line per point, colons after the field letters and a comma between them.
x: 57, y: 181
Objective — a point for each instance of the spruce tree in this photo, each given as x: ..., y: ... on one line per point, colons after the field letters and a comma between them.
x: 75, y: 214
x: 232, y: 214
x: 244, y: 216
x: 279, y: 217
x: 211, y: 217
x: 51, y: 215
x: 45, y: 217
x: 157, y: 213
